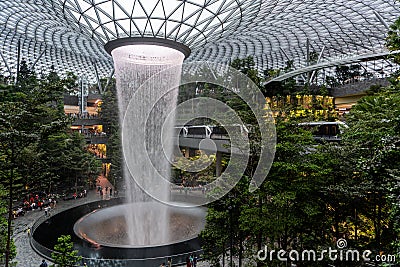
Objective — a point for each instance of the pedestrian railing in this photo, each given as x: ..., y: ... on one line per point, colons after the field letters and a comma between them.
x: 45, y: 252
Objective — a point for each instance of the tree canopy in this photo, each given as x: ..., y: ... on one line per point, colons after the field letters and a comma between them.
x: 318, y: 192
x: 38, y: 151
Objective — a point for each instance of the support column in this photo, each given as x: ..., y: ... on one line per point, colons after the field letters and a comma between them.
x: 18, y: 61
x: 5, y: 62
x: 98, y: 78
x: 83, y: 96
x: 308, y: 60
x: 218, y: 164
x: 109, y: 79
x: 187, y: 154
x: 38, y: 58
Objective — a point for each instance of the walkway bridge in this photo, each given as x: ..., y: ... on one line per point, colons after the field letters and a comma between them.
x: 192, y: 136
x: 332, y: 62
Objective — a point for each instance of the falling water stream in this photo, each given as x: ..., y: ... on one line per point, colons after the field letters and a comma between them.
x: 135, y: 64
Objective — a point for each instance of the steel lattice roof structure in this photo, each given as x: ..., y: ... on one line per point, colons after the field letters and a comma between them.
x: 70, y: 34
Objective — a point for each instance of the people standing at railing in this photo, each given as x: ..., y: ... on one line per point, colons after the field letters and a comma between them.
x: 194, y: 260
x: 191, y: 258
x: 188, y: 264
x: 46, y: 211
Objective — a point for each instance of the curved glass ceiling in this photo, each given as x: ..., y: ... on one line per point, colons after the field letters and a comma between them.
x: 70, y: 34
x: 191, y: 22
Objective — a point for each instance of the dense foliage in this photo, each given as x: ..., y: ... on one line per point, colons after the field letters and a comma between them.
x: 3, y: 228
x: 317, y: 193
x: 64, y: 254
x: 38, y: 151
x: 109, y: 113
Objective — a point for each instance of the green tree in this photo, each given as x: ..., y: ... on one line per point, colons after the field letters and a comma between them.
x: 4, y: 228
x: 393, y: 39
x: 65, y: 255
x: 286, y: 211
x: 15, y: 134
x: 281, y: 88
x: 66, y: 160
x: 215, y: 234
x: 109, y: 112
x: 31, y: 114
x: 374, y: 134
x: 247, y: 67
x: 290, y: 211
x: 347, y: 73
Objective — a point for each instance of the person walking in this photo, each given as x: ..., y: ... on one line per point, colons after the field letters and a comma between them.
x: 194, y: 260
x: 44, y: 264
x: 191, y: 259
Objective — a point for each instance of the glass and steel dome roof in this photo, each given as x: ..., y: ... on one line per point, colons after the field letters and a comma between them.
x: 70, y: 34
x: 190, y: 22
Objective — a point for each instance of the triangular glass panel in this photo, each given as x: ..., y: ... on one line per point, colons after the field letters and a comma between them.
x: 149, y: 5
x: 192, y: 20
x: 75, y: 15
x: 119, y: 13
x: 103, y: 17
x: 172, y: 29
x: 184, y: 31
x: 138, y: 12
x: 125, y: 24
x: 158, y: 11
x: 214, y: 6
x: 141, y: 24
x: 91, y: 14
x: 126, y: 5
x: 134, y: 30
x: 190, y: 9
x: 69, y: 5
x: 110, y: 27
x: 93, y: 24
x: 205, y: 17
x: 171, y: 5
x: 120, y: 31
x: 157, y: 25
x: 107, y: 7
x: 84, y: 5
x: 177, y: 15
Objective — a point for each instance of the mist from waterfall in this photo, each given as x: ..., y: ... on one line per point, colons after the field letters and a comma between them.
x: 134, y: 65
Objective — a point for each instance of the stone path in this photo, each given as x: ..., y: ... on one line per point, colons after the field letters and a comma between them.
x: 26, y: 256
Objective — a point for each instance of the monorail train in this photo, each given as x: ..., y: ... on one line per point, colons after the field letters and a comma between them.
x: 208, y: 131
x: 321, y: 130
